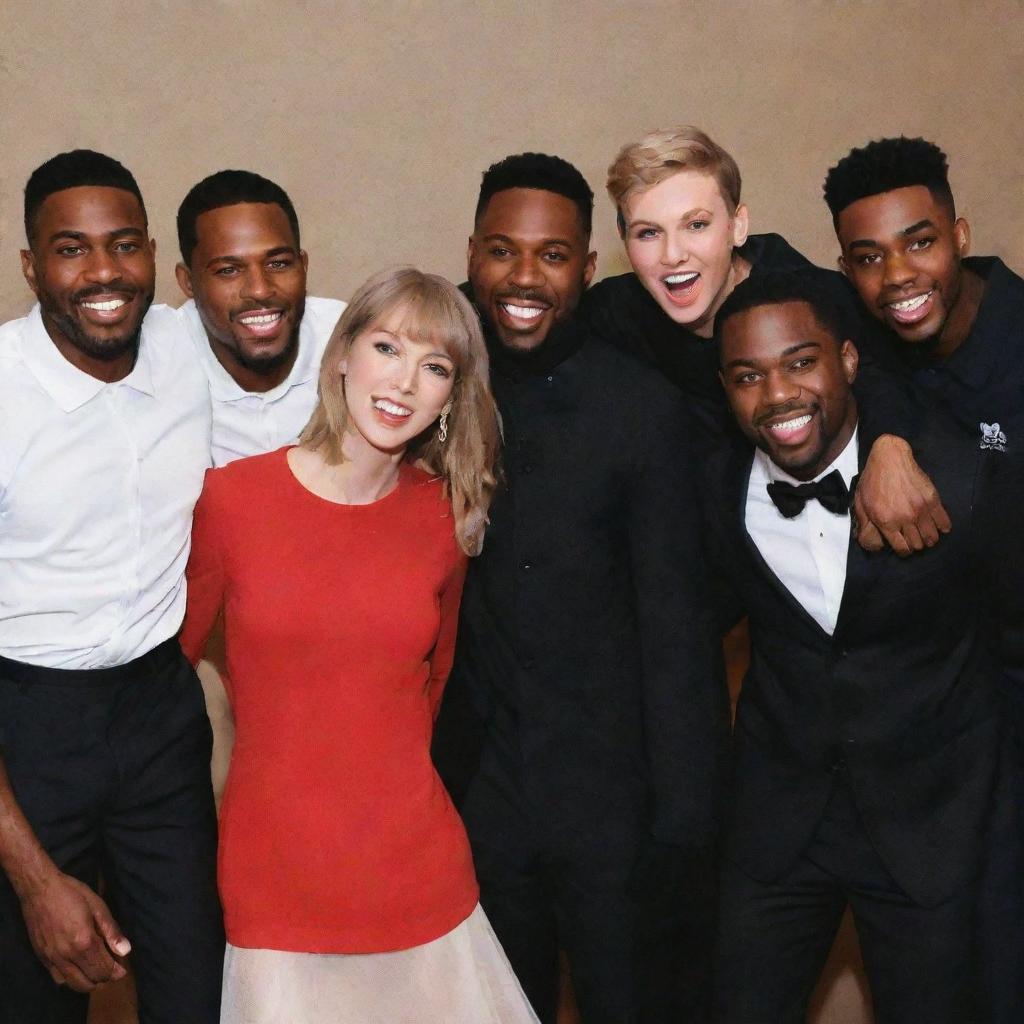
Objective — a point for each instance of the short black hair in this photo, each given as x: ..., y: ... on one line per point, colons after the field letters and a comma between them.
x: 885, y: 165
x: 778, y: 286
x: 539, y: 171
x: 74, y: 169
x: 228, y: 188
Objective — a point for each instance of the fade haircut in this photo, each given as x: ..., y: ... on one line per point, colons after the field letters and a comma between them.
x: 74, y: 169
x: 778, y: 286
x: 539, y: 171
x: 228, y: 188
x: 663, y: 153
x: 886, y: 165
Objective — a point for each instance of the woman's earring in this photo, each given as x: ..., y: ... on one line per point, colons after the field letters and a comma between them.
x: 442, y: 427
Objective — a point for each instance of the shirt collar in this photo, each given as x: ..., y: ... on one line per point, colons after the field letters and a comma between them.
x: 846, y: 463
x: 223, y: 386
x: 68, y: 386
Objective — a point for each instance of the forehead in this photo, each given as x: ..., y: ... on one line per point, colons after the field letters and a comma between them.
x: 234, y: 229
x: 682, y: 192
x: 887, y: 214
x: 532, y: 214
x: 90, y: 210
x: 762, y: 334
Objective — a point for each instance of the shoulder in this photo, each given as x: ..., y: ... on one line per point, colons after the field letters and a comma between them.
x: 772, y: 252
x: 323, y: 314
x: 626, y: 378
x: 254, y: 478
x: 171, y: 349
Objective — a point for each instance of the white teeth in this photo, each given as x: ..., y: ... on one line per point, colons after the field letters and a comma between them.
x: 389, y: 407
x: 681, y: 278
x: 523, y: 312
x: 790, y: 426
x: 260, y: 318
x: 909, y: 305
x: 107, y: 307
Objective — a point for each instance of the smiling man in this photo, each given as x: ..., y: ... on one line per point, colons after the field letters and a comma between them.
x: 869, y: 740
x: 258, y: 336
x: 956, y: 320
x: 584, y: 652
x: 104, y: 740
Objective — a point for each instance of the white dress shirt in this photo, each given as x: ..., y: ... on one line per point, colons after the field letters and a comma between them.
x: 97, y: 486
x: 808, y: 552
x: 250, y: 422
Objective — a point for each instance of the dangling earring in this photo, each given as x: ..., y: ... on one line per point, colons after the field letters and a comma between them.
x: 442, y: 427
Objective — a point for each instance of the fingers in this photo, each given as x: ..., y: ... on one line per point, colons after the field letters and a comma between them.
x: 898, y: 543
x: 939, y: 515
x: 868, y: 536
x: 110, y: 931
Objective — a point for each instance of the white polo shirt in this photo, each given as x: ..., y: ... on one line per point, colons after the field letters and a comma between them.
x: 97, y: 486
x: 251, y: 422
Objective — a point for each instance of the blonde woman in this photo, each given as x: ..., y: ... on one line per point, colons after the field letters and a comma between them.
x: 345, y: 873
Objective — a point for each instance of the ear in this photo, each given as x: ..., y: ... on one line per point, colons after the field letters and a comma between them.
x: 962, y: 236
x: 850, y: 358
x: 304, y: 260
x: 589, y: 267
x: 844, y: 267
x: 184, y: 276
x: 152, y: 248
x: 343, y: 365
x: 740, y: 224
x: 28, y: 268
x: 470, y: 254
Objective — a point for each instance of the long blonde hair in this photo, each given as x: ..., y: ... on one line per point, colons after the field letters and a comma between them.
x: 432, y: 308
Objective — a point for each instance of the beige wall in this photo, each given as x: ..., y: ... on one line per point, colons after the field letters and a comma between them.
x: 379, y: 118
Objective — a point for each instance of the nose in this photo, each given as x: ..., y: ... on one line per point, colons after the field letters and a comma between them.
x: 102, y: 267
x: 779, y: 388
x: 898, y: 270
x: 256, y: 285
x: 527, y: 272
x: 674, y: 249
x: 405, y: 376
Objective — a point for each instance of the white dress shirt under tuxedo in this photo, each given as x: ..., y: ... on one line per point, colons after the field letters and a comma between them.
x: 97, y: 486
x: 808, y: 552
x: 252, y: 422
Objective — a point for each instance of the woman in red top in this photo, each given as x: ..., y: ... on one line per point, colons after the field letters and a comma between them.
x: 338, y: 564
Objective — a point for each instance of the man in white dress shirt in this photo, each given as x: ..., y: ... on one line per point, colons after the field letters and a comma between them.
x: 258, y: 336
x: 869, y: 741
x: 104, y: 741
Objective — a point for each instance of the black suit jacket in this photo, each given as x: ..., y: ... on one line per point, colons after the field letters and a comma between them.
x: 586, y: 672
x: 902, y: 699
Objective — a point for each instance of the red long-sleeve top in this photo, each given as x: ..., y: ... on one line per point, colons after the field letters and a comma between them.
x: 336, y: 833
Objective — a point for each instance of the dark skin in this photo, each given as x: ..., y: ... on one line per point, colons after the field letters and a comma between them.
x: 247, y: 276
x: 90, y: 264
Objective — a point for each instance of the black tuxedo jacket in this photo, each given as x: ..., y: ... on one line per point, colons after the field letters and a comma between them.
x: 902, y: 701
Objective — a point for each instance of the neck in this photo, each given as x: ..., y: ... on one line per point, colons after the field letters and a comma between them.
x: 367, y: 474
x: 249, y: 379
x: 107, y: 370
x: 739, y: 271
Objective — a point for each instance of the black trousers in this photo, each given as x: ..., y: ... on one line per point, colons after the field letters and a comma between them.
x: 635, y: 918
x: 111, y: 768
x: 774, y: 937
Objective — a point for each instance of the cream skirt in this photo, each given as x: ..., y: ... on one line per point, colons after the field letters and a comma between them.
x: 461, y: 978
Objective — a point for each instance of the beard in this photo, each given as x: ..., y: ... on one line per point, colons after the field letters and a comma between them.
x: 264, y: 366
x: 107, y: 349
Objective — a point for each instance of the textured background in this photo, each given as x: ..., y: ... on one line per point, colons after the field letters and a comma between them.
x: 379, y: 119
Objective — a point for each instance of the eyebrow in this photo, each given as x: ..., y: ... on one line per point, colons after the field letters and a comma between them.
x: 870, y: 243
x: 79, y: 236
x: 281, y: 250
x: 430, y: 355
x: 496, y: 237
x: 702, y: 210
x: 791, y: 351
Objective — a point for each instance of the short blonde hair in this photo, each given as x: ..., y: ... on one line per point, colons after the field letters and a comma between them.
x: 661, y: 154
x: 432, y: 307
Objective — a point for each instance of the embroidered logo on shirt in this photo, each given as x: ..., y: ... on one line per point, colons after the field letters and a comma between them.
x: 992, y: 437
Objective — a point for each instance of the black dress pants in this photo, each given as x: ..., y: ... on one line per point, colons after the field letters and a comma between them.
x: 633, y: 917
x: 111, y: 768
x: 774, y: 937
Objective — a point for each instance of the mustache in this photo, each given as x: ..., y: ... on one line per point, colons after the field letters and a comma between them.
x: 84, y: 294
x: 783, y: 410
x: 523, y: 295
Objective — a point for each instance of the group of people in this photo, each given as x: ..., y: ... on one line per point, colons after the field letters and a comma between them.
x: 472, y: 551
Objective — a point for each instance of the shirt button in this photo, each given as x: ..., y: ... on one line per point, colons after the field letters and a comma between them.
x: 526, y: 566
x: 527, y: 468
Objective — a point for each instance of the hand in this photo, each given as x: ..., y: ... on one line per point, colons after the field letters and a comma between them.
x: 73, y: 933
x: 895, y: 502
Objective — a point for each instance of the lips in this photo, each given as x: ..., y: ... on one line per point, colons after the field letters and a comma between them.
x: 791, y: 429
x: 391, y: 413
x: 683, y: 287
x: 523, y: 315
x: 105, y: 308
x: 262, y: 323
x: 912, y: 310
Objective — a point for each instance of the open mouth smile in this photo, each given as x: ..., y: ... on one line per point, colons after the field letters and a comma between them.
x: 910, y: 311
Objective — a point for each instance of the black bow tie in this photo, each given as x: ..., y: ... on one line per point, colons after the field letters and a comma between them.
x: 830, y: 490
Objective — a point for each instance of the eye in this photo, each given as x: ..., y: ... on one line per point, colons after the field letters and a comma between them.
x: 698, y: 225
x: 555, y: 257
x: 920, y: 244
x: 499, y: 251
x: 642, y: 234
x: 385, y: 348
x: 70, y: 250
x: 868, y: 259
x: 750, y: 377
x: 226, y: 271
x: 281, y: 264
x: 803, y: 364
x: 439, y: 369
x: 126, y: 248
